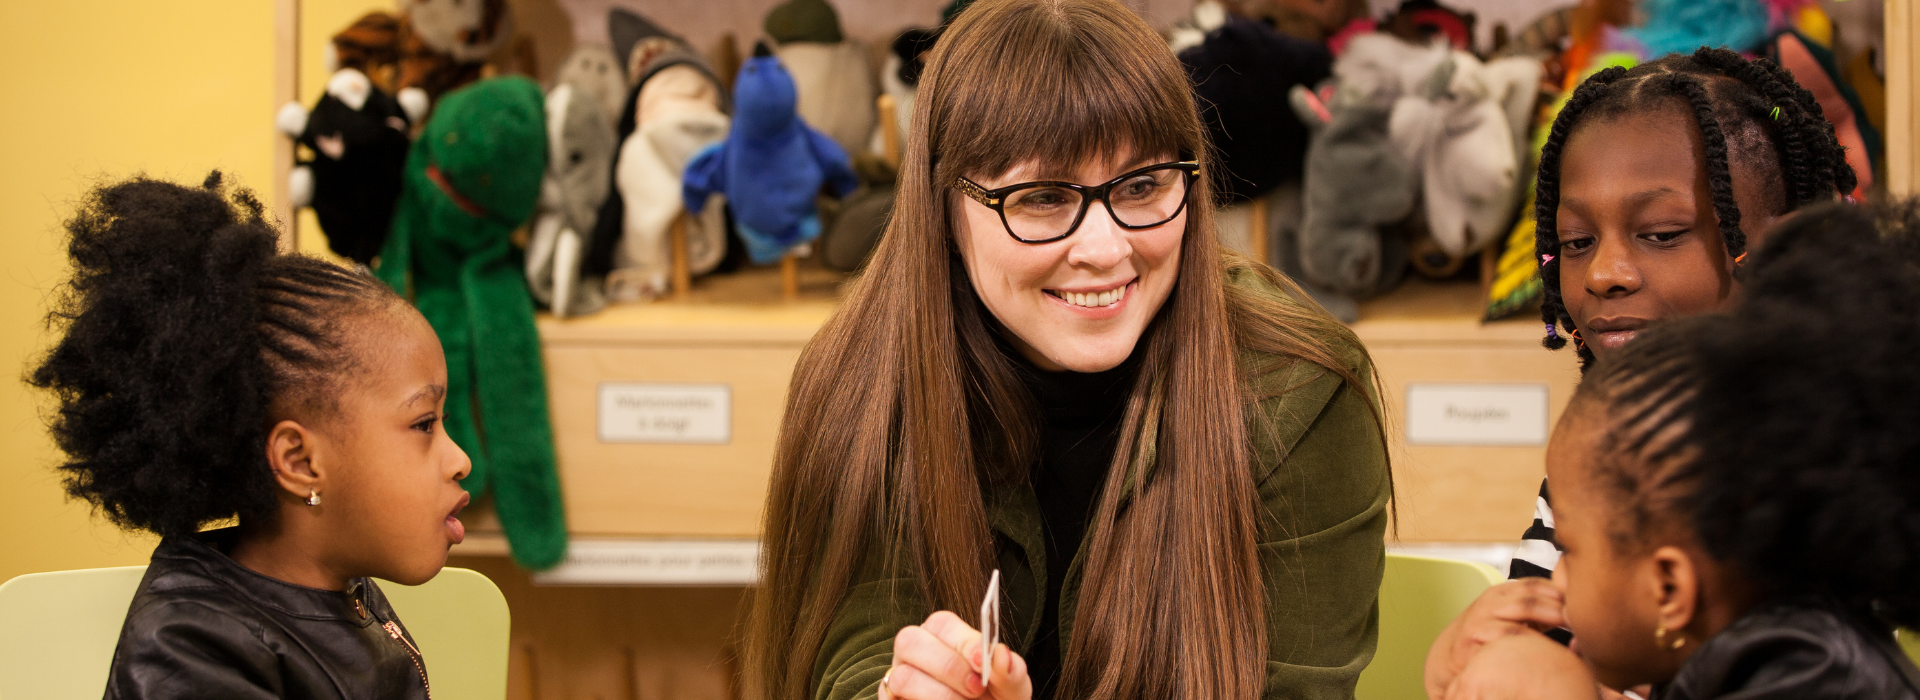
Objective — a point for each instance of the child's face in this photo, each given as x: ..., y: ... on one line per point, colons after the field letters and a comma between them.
x: 1639, y: 240
x: 1613, y: 597
x: 394, y: 484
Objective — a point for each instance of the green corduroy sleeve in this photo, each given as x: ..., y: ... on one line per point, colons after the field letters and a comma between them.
x: 859, y: 644
x: 1321, y: 541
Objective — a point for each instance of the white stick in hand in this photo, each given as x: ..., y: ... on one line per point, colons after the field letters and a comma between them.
x: 989, y: 628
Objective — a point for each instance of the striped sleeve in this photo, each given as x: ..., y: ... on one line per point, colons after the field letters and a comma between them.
x: 1538, y: 553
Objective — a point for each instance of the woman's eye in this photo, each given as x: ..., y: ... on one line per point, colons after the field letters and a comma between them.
x: 1663, y: 236
x: 1138, y: 188
x: 426, y: 425
x: 1040, y: 200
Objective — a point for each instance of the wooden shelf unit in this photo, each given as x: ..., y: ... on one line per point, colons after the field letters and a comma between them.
x: 737, y: 331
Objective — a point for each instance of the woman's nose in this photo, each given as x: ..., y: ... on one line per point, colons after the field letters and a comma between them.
x: 1100, y: 242
x: 1612, y: 272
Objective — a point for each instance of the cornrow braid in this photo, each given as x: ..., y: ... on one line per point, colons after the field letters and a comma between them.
x: 185, y: 331
x: 1547, y: 201
x: 1747, y: 111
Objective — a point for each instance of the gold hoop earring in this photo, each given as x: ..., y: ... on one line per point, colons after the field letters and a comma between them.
x: 313, y: 498
x: 1660, y: 639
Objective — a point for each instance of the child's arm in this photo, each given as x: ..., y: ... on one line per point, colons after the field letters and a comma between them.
x: 1521, y: 607
x: 1526, y: 666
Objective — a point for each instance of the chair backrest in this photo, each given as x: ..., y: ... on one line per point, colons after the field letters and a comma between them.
x: 460, y: 621
x: 1418, y: 597
x: 58, y: 631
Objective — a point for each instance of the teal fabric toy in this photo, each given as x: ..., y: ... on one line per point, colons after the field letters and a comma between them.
x: 472, y: 177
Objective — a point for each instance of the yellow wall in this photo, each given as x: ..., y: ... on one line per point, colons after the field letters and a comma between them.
x: 104, y: 89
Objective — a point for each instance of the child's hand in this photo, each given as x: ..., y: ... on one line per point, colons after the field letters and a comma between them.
x: 934, y: 660
x: 1525, y: 606
x: 1523, y: 666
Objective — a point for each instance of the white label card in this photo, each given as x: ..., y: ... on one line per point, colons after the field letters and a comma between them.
x: 1477, y: 414
x: 657, y: 563
x: 666, y: 413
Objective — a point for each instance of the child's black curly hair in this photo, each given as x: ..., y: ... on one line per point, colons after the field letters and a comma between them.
x: 1783, y: 433
x: 1749, y: 112
x: 185, y: 331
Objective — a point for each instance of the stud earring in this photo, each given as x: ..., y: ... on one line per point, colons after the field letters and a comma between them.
x: 1660, y: 639
x: 313, y: 498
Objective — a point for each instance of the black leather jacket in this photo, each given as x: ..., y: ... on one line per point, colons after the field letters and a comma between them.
x: 203, y: 626
x: 1802, y: 649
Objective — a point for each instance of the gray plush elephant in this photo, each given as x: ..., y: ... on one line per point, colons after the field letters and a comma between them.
x: 581, y: 145
x: 1358, y: 185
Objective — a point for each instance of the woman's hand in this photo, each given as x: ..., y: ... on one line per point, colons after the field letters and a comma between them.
x: 1523, y: 666
x: 935, y: 660
x: 1525, y: 606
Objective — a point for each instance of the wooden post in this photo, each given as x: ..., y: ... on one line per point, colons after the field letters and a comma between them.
x: 889, y: 133
x: 1257, y: 230
x: 682, y: 279
x: 790, y: 277
x: 1903, y: 150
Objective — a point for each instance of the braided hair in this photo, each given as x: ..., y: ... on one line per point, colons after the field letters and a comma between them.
x: 185, y: 334
x: 1781, y: 432
x: 1751, y: 112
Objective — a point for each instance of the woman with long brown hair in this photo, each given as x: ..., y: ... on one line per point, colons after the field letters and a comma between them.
x: 1051, y: 369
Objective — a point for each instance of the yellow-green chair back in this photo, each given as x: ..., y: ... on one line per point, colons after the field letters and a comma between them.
x: 1418, y: 597
x: 1910, y: 641
x: 460, y: 621
x: 58, y: 631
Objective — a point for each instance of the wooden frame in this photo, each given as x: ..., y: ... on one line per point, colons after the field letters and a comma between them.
x: 1903, y: 68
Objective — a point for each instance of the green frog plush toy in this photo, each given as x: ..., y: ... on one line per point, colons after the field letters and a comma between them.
x: 472, y: 177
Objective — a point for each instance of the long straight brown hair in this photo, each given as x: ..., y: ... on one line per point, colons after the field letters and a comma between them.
x: 904, y: 410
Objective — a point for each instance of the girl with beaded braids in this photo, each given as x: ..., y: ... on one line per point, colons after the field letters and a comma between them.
x: 1739, y: 493
x: 202, y: 375
x: 1653, y: 184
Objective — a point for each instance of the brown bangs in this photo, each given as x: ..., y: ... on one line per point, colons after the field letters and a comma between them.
x: 1051, y: 87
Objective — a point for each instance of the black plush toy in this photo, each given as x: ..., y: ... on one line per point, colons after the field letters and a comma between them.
x: 358, y: 135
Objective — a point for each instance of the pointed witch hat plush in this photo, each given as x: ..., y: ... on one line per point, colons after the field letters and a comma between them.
x: 472, y: 178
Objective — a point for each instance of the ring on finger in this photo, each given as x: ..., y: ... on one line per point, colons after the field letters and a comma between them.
x: 886, y: 681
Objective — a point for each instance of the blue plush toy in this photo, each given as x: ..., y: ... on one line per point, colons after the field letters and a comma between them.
x: 771, y: 165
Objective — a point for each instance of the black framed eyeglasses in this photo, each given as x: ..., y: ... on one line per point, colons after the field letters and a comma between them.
x: 1047, y: 210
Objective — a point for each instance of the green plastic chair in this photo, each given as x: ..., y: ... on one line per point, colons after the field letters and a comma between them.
x: 1910, y: 640
x: 58, y: 631
x: 1418, y: 597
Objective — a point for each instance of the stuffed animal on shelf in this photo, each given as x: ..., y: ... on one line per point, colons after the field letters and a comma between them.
x: 472, y: 177
x: 677, y: 113
x: 771, y: 166
x: 1242, y: 71
x: 580, y: 155
x: 358, y: 136
x: 445, y: 43
x: 675, y: 108
x: 1357, y: 185
x: 595, y: 71
x: 830, y: 75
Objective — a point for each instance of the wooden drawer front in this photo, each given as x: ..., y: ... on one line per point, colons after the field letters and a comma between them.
x: 667, y: 490
x: 1467, y: 493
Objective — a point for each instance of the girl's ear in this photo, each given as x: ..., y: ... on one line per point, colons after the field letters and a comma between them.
x: 290, y: 453
x: 1677, y: 581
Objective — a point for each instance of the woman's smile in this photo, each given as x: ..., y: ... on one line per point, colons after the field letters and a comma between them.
x: 1096, y: 301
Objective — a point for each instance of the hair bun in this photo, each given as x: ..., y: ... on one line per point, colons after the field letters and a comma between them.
x: 159, y: 373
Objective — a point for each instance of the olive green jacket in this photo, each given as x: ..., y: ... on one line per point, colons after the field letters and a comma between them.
x: 1321, y: 471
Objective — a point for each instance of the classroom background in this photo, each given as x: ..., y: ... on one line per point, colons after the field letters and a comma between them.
x: 667, y: 345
